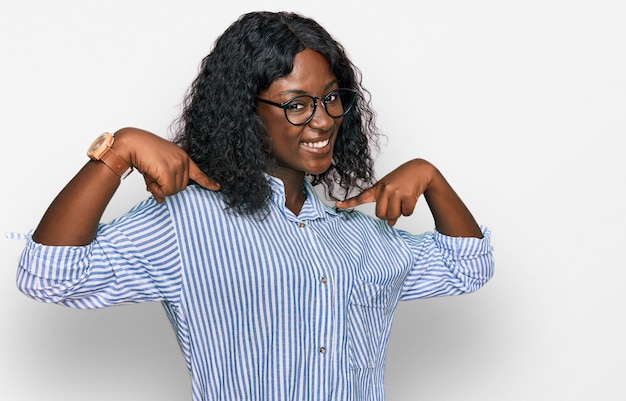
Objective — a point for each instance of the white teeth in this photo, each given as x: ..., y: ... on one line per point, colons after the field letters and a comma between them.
x: 316, y: 145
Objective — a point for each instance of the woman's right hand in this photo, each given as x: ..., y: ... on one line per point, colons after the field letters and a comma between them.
x: 73, y: 216
x: 166, y: 167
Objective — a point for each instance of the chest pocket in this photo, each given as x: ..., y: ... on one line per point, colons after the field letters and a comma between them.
x: 368, y: 318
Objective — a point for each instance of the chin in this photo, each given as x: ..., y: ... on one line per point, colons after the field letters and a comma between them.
x: 318, y: 168
x: 318, y: 171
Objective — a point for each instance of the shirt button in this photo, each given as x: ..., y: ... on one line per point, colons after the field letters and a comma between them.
x: 324, y: 280
x: 302, y: 225
x: 322, y: 350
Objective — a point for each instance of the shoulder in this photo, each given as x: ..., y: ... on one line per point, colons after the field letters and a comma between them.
x: 194, y: 196
x: 196, y: 205
x: 366, y: 226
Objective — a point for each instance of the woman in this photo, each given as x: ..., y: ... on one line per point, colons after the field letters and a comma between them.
x: 273, y: 295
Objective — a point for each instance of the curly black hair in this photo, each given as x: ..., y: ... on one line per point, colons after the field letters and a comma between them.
x: 222, y: 133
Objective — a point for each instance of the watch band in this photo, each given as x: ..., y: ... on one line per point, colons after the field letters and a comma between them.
x: 113, y: 161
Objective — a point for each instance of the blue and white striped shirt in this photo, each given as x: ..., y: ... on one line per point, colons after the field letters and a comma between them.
x: 282, y: 308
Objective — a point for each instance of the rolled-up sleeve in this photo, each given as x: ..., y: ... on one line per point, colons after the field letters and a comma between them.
x: 446, y: 265
x: 133, y: 259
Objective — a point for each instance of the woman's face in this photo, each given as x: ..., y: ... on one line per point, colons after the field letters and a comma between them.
x: 307, y: 148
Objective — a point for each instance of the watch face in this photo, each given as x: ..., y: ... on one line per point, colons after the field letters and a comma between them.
x: 99, y: 145
x: 96, y: 144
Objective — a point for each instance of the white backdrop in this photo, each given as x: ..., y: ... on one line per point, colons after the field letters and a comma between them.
x: 522, y: 105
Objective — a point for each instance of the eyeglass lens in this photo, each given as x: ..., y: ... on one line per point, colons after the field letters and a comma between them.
x: 337, y: 103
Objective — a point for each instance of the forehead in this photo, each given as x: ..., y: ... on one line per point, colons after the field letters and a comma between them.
x: 311, y: 74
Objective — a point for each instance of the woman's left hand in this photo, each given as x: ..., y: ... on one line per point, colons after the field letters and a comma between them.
x: 396, y: 194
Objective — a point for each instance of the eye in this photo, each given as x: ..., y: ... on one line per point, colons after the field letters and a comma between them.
x: 332, y: 97
x: 298, y: 104
x: 294, y: 106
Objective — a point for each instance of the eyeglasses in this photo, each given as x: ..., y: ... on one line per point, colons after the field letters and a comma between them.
x: 301, y: 109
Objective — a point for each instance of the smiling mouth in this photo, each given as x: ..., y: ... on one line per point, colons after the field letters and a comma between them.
x: 317, y: 145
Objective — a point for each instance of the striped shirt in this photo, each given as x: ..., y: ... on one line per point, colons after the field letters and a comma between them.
x: 280, y: 308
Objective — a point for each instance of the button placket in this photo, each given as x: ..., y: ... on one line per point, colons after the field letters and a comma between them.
x: 323, y: 298
x: 324, y: 281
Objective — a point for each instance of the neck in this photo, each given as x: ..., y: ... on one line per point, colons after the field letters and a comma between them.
x: 294, y: 188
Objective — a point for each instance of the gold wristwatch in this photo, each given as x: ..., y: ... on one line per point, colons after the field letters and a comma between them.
x: 101, y: 149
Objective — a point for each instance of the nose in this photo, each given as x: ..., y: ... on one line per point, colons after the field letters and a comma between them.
x: 321, y: 119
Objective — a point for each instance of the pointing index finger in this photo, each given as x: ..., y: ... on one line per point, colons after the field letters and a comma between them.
x: 201, y: 178
x: 367, y: 196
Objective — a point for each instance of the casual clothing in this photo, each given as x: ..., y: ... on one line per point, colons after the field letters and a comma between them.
x: 282, y: 307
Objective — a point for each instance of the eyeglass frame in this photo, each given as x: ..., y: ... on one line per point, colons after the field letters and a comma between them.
x: 315, y: 99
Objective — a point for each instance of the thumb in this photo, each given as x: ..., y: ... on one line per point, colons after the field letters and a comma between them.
x: 153, y: 187
x: 198, y: 176
x: 367, y: 196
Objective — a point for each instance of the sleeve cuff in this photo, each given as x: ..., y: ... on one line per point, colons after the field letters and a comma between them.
x: 464, y: 247
x: 60, y: 263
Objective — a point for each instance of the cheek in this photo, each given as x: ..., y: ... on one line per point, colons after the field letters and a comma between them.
x: 274, y: 122
x: 265, y: 117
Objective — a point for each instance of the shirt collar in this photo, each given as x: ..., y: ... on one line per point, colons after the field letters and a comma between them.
x: 313, y: 207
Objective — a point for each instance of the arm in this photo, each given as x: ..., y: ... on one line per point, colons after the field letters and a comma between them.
x: 73, y: 216
x: 397, y: 193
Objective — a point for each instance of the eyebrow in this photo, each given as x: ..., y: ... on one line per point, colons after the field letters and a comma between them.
x: 301, y: 92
